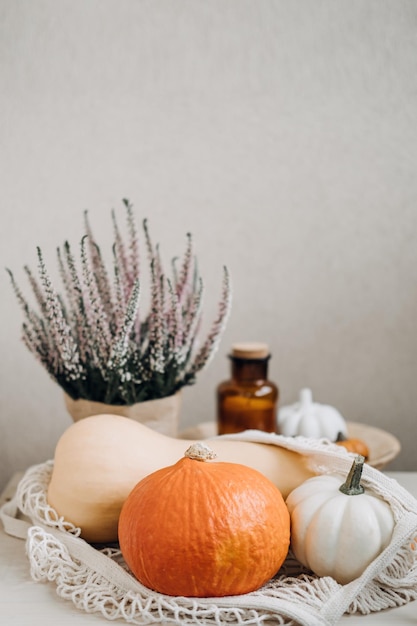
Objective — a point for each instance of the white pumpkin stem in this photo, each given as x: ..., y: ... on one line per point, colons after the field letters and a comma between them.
x: 306, y: 397
x: 352, y: 486
x: 200, y: 452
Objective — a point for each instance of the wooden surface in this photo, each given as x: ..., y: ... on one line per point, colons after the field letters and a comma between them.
x: 26, y: 603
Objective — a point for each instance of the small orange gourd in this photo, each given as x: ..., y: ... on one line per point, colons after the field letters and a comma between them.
x: 202, y: 528
x: 353, y: 444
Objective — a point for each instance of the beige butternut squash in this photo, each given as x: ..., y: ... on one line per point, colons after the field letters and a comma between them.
x: 99, y: 460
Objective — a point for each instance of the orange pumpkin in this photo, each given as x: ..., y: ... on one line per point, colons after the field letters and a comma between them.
x: 202, y: 528
x: 353, y: 444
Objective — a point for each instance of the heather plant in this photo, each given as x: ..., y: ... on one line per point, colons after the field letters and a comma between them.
x: 94, y: 339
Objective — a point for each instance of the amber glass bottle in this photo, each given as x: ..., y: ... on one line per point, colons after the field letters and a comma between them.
x: 248, y: 400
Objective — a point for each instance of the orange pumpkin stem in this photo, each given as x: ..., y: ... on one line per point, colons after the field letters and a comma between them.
x: 200, y: 452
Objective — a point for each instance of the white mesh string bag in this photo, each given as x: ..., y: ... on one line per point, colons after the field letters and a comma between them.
x: 98, y: 580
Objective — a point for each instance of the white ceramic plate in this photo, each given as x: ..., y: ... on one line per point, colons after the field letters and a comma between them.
x: 383, y: 446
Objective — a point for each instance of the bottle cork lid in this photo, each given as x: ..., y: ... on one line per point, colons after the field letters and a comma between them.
x: 250, y: 350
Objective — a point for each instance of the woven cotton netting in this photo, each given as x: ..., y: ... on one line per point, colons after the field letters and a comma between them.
x: 97, y: 580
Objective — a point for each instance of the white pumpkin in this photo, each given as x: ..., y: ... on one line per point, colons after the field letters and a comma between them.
x: 311, y: 419
x: 338, y: 529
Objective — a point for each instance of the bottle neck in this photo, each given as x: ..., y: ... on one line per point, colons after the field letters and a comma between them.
x: 249, y: 369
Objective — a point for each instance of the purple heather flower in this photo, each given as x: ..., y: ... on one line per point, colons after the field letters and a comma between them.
x: 91, y: 338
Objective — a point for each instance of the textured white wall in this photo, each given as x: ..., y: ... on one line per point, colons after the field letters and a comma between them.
x: 283, y: 135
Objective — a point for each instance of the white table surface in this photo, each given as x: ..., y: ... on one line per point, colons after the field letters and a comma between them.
x: 26, y: 603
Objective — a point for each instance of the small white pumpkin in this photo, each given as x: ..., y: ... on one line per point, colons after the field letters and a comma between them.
x: 337, y: 529
x: 311, y: 419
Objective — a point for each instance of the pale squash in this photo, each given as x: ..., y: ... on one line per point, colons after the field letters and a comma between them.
x: 99, y: 460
